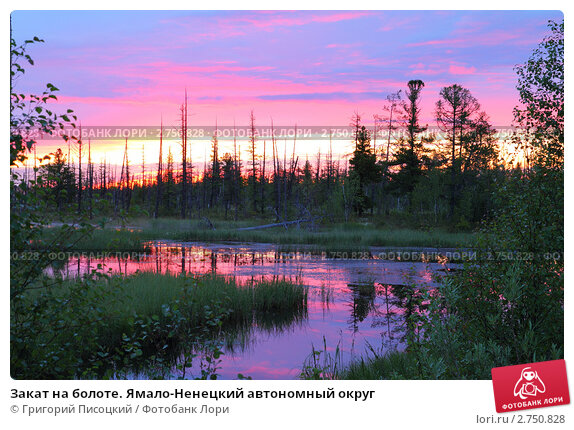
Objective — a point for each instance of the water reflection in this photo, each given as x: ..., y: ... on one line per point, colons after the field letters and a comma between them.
x: 354, y: 304
x: 362, y: 303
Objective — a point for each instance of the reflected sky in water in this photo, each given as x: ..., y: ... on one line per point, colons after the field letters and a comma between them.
x: 350, y: 303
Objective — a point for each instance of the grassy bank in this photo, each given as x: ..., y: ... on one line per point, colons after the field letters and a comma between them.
x: 186, y: 304
x: 325, y: 363
x: 330, y: 235
x: 147, y: 294
x: 396, y: 365
x: 109, y: 326
x: 92, y: 239
x: 393, y: 365
x: 324, y: 238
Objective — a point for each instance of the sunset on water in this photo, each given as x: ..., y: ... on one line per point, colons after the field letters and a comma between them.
x: 286, y: 195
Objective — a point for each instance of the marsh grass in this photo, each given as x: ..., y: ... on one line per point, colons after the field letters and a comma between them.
x: 325, y: 294
x: 392, y: 365
x: 332, y: 238
x: 335, y: 238
x: 322, y: 364
x: 149, y: 291
x: 98, y: 239
x: 145, y: 322
x: 267, y: 303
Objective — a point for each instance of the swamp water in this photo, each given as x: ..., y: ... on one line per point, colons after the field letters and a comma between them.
x: 351, y: 307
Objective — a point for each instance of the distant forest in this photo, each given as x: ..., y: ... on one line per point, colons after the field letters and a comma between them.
x: 416, y: 175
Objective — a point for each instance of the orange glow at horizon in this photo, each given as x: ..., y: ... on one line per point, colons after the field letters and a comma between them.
x: 199, y: 154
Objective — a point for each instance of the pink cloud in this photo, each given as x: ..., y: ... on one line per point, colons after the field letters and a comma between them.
x: 461, y: 70
x: 233, y: 26
x: 425, y: 69
x: 426, y: 72
x: 393, y: 25
x: 222, y: 66
x: 343, y: 45
x: 485, y: 39
x: 437, y: 42
x: 342, y: 16
x: 283, y: 20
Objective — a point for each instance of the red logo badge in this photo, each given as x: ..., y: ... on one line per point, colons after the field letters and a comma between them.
x: 529, y: 386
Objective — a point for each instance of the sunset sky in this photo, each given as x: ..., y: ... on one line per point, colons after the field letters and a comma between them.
x: 302, y: 67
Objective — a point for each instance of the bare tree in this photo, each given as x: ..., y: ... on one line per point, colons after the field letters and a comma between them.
x: 276, y: 168
x: 215, y: 168
x: 126, y: 195
x: 318, y: 171
x: 356, y: 125
x: 184, y: 156
x: 252, y: 151
x: 393, y: 102
x: 263, y: 180
x: 330, y: 164
x: 237, y: 173
x: 90, y: 179
x: 103, y: 178
x: 159, y: 173
x: 80, y: 172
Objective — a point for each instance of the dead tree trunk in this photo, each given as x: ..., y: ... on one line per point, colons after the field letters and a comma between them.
x: 159, y: 173
x: 263, y: 180
x: 80, y: 172
x: 184, y: 157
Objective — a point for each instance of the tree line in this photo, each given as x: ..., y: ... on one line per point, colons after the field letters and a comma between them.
x: 414, y: 174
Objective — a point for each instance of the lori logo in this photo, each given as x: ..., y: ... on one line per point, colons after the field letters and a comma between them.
x: 529, y: 386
